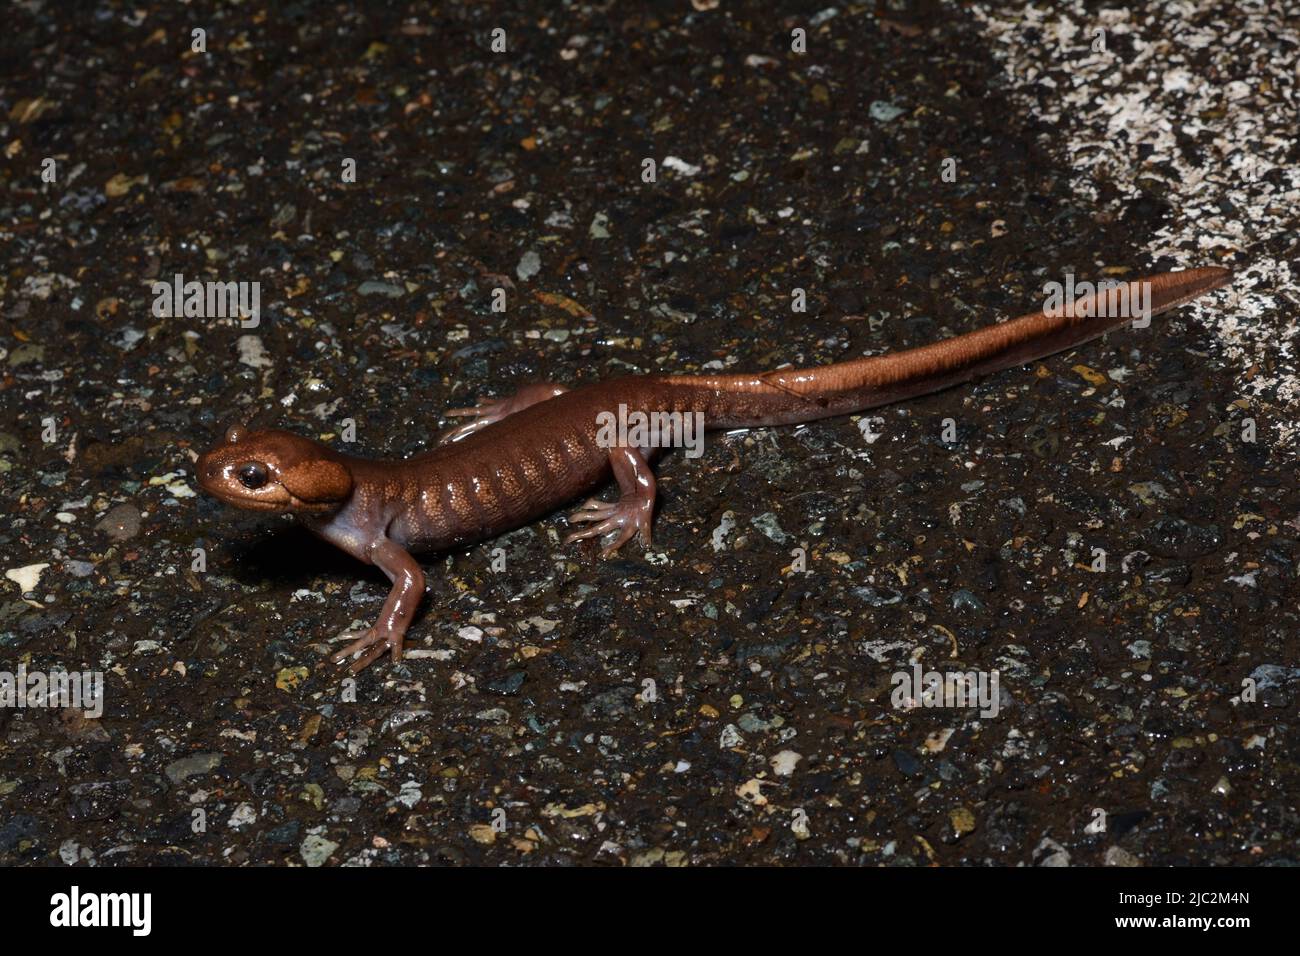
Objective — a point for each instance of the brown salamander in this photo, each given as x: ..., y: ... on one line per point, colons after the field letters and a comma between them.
x: 519, y: 458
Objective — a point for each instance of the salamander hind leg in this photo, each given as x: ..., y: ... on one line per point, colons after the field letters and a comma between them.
x: 494, y: 409
x: 631, y: 514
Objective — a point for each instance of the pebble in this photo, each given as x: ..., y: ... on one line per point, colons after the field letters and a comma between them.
x: 962, y: 820
x: 120, y: 523
x: 1118, y: 856
x: 243, y: 815
x: 768, y: 524
x: 1050, y: 853
x: 252, y: 352
x: 316, y: 849
x: 725, y: 526
x: 386, y: 289
x: 883, y: 112
x: 26, y: 577
x: 783, y: 763
x: 529, y: 265
x: 878, y: 597
x: 1274, y: 676
x: 178, y: 771
x: 680, y: 166
x: 907, y: 764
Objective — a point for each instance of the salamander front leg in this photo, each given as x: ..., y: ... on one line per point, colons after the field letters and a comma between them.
x: 387, y: 632
x: 494, y: 409
x: 634, y: 509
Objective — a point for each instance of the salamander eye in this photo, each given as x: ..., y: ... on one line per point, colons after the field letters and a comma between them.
x: 252, y: 475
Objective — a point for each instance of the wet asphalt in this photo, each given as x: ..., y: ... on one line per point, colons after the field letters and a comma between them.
x: 727, y: 697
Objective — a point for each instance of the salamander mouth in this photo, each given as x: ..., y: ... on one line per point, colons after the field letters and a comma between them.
x: 224, y: 495
x: 257, y: 504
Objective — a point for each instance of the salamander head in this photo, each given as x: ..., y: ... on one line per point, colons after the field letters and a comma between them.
x: 274, y: 470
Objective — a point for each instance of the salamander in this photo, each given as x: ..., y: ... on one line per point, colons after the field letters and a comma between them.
x: 517, y: 459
